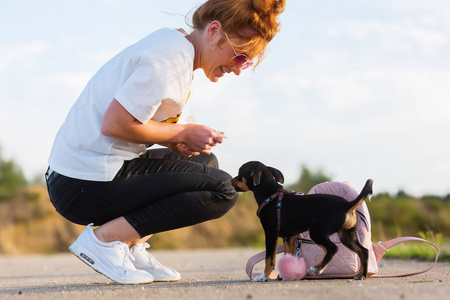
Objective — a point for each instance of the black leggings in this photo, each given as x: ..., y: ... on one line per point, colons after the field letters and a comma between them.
x: 156, y: 192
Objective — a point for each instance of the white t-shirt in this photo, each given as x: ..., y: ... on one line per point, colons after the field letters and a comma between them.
x: 150, y: 79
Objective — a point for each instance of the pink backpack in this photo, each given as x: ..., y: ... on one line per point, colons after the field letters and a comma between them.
x: 345, y: 263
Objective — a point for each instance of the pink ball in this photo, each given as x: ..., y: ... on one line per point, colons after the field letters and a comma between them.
x: 292, y: 268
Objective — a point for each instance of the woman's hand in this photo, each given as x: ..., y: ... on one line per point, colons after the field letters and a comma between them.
x: 189, y: 139
x: 182, y: 149
x: 200, y: 139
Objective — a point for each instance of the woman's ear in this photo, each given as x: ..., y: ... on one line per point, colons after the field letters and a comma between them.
x: 213, y: 30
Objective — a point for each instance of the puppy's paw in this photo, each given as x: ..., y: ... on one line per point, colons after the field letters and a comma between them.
x: 313, y: 271
x: 260, y: 278
x: 358, y: 277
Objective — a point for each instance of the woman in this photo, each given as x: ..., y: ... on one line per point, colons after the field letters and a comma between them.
x: 100, y: 170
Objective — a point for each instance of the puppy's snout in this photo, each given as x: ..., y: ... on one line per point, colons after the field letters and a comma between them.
x: 239, y: 186
x: 235, y: 183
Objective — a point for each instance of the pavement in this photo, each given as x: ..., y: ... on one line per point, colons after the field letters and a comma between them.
x: 209, y: 274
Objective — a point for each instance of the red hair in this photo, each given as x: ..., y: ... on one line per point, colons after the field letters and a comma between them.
x: 237, y: 16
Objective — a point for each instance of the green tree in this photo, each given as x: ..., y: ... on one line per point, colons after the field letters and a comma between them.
x: 308, y: 179
x: 11, y: 178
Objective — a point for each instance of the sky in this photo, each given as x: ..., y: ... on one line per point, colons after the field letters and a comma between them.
x: 357, y: 89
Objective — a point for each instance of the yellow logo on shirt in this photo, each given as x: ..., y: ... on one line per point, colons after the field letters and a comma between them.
x: 175, y: 119
x: 172, y: 120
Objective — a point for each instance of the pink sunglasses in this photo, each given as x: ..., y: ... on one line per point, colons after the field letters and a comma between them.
x: 238, y: 60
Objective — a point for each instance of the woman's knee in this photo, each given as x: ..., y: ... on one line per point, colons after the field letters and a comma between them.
x: 206, y: 159
x: 213, y: 161
x: 227, y: 198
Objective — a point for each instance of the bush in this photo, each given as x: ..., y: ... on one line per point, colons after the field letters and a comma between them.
x: 11, y: 179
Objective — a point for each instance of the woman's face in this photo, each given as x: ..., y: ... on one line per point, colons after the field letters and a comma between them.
x: 217, y: 55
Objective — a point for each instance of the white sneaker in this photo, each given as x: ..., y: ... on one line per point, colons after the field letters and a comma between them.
x: 147, y: 262
x: 113, y: 259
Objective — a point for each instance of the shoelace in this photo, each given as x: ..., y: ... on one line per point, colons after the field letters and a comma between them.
x: 150, y: 256
x: 128, y: 258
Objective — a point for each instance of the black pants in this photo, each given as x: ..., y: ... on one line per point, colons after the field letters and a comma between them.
x: 156, y: 192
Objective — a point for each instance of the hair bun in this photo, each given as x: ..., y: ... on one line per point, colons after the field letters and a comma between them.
x: 269, y: 7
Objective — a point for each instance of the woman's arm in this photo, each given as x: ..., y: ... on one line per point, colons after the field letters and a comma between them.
x: 118, y: 123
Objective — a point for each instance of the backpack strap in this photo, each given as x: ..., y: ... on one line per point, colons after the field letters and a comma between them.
x: 381, y: 248
x: 252, y: 261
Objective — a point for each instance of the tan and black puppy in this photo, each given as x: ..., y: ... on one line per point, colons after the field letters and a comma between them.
x: 321, y: 214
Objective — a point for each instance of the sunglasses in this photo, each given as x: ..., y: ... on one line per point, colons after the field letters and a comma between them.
x: 238, y: 60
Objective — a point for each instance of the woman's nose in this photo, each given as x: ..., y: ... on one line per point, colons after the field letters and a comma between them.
x: 236, y: 69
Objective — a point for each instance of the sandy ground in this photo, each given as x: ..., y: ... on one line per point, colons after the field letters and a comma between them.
x: 208, y: 274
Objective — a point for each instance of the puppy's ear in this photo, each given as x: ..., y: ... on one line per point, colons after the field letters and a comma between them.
x: 277, y: 174
x: 256, y: 176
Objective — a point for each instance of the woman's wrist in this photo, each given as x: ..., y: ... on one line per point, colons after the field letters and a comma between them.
x: 182, y: 137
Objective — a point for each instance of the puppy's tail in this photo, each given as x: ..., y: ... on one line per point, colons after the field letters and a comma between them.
x: 365, y: 193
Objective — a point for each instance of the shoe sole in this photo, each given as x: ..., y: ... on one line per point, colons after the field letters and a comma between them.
x: 156, y: 278
x: 165, y: 279
x: 89, y: 259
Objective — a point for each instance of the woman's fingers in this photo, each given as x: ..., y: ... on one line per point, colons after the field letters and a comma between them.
x: 203, y: 139
x: 184, y: 150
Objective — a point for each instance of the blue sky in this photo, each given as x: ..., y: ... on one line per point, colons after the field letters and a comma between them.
x: 359, y: 89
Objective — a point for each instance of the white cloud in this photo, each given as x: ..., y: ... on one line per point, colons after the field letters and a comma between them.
x: 71, y: 82
x: 343, y: 93
x: 430, y: 20
x: 429, y: 40
x: 114, y: 4
x: 435, y: 12
x: 362, y: 29
x: 21, y: 55
x: 403, y: 36
x: 435, y: 6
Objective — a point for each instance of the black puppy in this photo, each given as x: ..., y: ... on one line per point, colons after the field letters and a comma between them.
x: 285, y: 215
